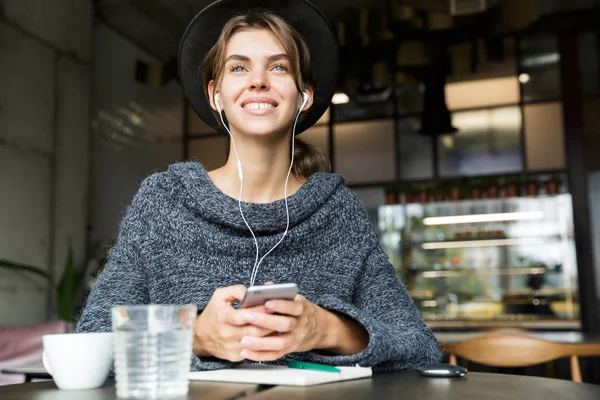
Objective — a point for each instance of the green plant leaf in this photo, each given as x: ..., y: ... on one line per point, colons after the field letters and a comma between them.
x: 13, y: 266
x: 70, y: 287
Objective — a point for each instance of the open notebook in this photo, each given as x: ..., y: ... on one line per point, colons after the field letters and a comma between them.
x: 279, y: 375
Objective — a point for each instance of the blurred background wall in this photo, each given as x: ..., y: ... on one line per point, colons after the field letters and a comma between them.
x: 46, y: 62
x: 136, y: 129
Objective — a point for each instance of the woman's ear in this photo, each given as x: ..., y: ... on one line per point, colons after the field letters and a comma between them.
x: 211, y: 95
x: 308, y: 102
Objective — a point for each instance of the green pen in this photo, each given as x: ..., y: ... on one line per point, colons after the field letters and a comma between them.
x: 313, y: 366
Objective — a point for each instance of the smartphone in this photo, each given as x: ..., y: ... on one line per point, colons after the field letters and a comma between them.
x: 443, y: 370
x: 258, y: 295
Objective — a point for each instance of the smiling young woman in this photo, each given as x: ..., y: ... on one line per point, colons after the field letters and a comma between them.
x: 258, y: 91
x: 262, y: 71
x: 259, y: 66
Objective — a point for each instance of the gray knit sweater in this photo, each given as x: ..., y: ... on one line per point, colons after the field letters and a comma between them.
x: 182, y: 238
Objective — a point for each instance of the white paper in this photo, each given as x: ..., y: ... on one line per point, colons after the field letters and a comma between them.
x: 279, y: 375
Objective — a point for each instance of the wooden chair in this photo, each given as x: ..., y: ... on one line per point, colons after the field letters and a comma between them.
x: 514, y: 350
x: 511, y: 329
x: 550, y: 371
x: 506, y: 329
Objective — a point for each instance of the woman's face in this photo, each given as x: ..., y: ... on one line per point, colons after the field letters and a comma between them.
x: 257, y: 90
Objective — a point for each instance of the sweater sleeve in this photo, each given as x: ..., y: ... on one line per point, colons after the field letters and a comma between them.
x: 398, y: 337
x: 124, y: 280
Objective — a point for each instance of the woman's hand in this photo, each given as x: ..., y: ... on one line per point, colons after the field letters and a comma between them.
x: 298, y: 326
x: 218, y: 331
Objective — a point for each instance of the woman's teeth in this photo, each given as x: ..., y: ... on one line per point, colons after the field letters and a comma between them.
x: 258, y: 106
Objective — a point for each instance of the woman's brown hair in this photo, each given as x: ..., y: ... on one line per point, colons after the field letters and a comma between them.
x: 307, y: 158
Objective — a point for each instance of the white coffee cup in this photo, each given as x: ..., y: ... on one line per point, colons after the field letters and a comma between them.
x: 78, y: 360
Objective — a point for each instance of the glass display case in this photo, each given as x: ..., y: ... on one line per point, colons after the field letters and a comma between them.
x: 486, y: 262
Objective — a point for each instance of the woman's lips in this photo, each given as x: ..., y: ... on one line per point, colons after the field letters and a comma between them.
x: 259, y: 109
x: 259, y: 105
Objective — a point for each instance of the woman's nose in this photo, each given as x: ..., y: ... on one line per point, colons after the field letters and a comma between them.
x: 259, y: 80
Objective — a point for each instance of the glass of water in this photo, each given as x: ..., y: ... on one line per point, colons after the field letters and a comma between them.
x: 153, y: 350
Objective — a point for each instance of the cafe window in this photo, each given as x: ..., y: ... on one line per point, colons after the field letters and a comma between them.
x: 482, y: 93
x: 409, y: 98
x: 362, y: 107
x: 544, y: 136
x: 591, y: 131
x: 588, y: 63
x: 487, y: 142
x: 414, y: 151
x: 364, y: 151
x: 540, y: 68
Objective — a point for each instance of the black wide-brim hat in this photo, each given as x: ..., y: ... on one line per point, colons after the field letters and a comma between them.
x: 204, y: 30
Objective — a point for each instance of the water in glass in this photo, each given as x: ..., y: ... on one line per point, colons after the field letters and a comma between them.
x: 153, y: 349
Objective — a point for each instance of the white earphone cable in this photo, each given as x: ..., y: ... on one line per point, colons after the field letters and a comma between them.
x: 240, y: 174
x: 287, y: 211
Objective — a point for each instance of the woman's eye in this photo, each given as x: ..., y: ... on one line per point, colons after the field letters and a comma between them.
x: 280, y: 67
x: 238, y: 68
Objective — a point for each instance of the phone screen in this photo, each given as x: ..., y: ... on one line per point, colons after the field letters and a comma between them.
x: 258, y: 295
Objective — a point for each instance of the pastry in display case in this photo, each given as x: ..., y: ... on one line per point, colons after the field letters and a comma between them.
x: 486, y: 261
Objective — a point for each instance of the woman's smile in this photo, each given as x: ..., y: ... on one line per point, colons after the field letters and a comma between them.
x: 259, y: 105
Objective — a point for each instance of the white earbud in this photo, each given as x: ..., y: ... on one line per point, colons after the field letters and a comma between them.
x: 217, y: 104
x: 305, y: 100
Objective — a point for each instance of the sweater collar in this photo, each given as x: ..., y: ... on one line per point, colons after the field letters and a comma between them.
x: 210, y: 203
